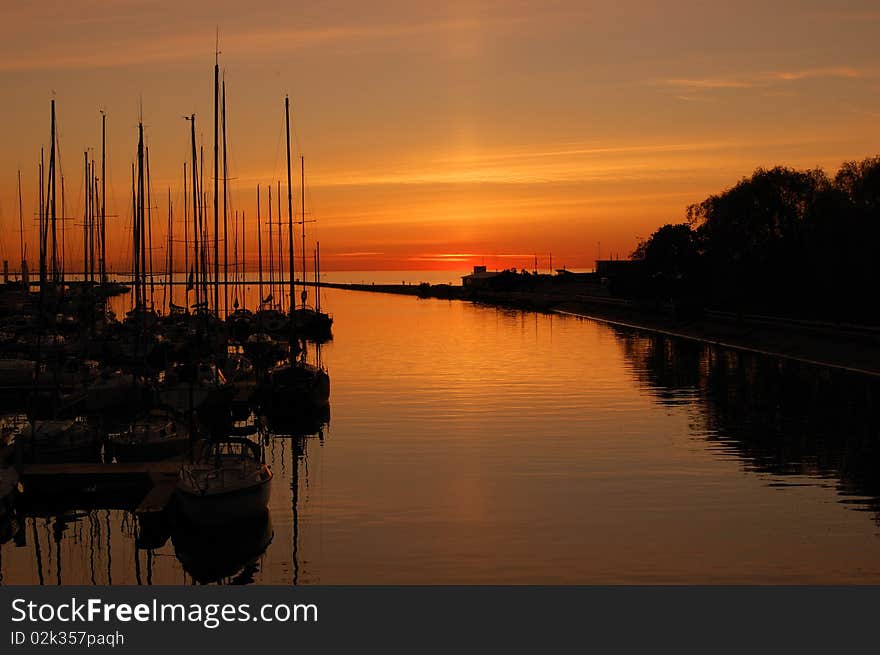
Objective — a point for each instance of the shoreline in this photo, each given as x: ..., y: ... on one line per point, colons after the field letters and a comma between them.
x: 853, y: 349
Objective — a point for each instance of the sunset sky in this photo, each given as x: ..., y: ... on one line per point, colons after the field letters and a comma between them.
x: 443, y: 135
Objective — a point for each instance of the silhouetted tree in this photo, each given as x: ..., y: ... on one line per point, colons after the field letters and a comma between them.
x: 781, y: 241
x: 672, y: 262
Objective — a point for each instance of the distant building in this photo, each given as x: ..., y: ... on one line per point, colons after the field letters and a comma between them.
x: 479, y: 278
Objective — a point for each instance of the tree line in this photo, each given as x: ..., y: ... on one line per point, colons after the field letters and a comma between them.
x: 782, y: 241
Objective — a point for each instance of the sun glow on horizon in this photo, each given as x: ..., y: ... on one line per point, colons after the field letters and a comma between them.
x: 434, y: 134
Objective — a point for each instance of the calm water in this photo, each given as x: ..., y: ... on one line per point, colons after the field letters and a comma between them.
x: 475, y: 445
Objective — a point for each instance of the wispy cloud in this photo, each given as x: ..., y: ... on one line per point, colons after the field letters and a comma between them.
x: 580, y: 149
x: 695, y: 98
x: 560, y: 165
x: 466, y: 256
x: 845, y: 72
x: 763, y: 79
x: 181, y: 47
x: 705, y: 83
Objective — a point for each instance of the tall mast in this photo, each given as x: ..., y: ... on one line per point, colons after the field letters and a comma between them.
x: 93, y: 215
x: 216, y: 180
x: 203, y: 221
x: 140, y: 213
x: 185, y: 242
x: 93, y: 224
x: 271, y: 263
x: 86, y: 219
x: 52, y: 201
x: 280, y: 248
x: 150, y: 227
x: 103, y: 198
x: 289, y: 205
x: 170, y: 277
x: 195, y: 195
x: 87, y: 227
x: 235, y: 260
x: 41, y: 215
x: 302, y: 172
x: 135, y: 241
x: 259, y: 250
x: 89, y: 200
x: 225, y: 214
x: 63, y: 231
x: 243, y: 261
x: 318, y: 275
x: 20, y: 220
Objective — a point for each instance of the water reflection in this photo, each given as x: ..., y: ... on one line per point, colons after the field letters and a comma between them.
x: 70, y: 541
x: 781, y: 417
x: 475, y: 445
x: 229, y: 554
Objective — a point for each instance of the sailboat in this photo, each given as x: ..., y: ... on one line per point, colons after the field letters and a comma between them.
x: 310, y: 322
x: 156, y: 435
x: 59, y: 440
x: 294, y: 389
x: 296, y: 386
x: 227, y: 481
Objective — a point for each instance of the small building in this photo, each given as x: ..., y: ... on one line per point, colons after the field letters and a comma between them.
x: 479, y: 278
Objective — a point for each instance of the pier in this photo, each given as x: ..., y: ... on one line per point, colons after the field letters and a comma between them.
x: 146, y: 486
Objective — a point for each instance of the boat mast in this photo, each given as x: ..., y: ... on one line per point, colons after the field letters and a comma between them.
x: 170, y: 276
x: 134, y: 235
x: 243, y: 261
x: 271, y: 263
x: 259, y: 250
x: 86, y: 219
x: 302, y: 173
x: 52, y: 201
x: 216, y: 175
x: 103, y: 198
x: 185, y: 243
x: 142, y: 301
x: 195, y: 195
x: 41, y: 215
x: 280, y: 248
x: 225, y: 214
x: 289, y: 205
x: 203, y: 224
x: 235, y: 260
x: 149, y: 228
x: 90, y: 207
x: 318, y: 276
x: 93, y: 213
x: 92, y: 238
x: 20, y: 222
x: 63, y: 231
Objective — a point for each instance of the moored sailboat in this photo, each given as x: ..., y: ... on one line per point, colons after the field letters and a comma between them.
x: 152, y: 436
x: 227, y: 481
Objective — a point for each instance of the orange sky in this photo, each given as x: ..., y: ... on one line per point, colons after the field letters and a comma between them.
x: 489, y: 130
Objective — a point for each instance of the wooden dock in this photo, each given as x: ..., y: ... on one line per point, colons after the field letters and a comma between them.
x: 98, y: 471
x: 148, y: 486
